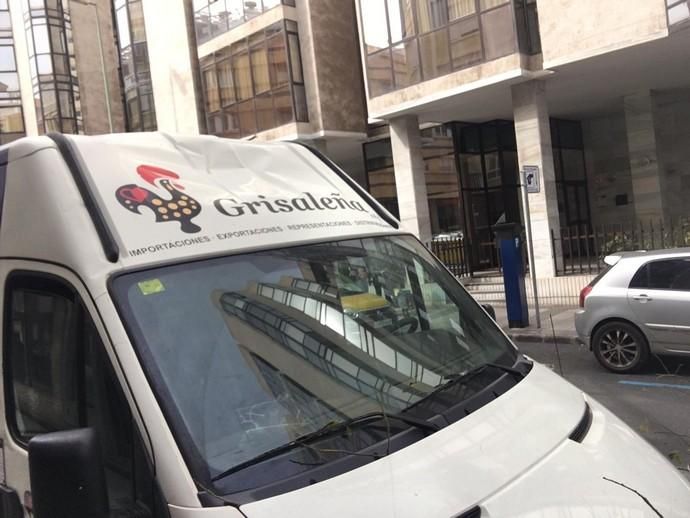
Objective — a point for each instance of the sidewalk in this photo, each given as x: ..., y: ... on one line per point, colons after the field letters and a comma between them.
x: 563, y: 325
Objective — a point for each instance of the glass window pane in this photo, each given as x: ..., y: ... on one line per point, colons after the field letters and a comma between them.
x: 374, y: 24
x: 295, y: 58
x: 41, y: 43
x: 465, y: 43
x: 252, y: 8
x: 242, y: 76
x: 262, y: 80
x: 66, y: 107
x: 11, y: 120
x: 270, y: 4
x: 57, y: 39
x: 247, y: 117
x: 123, y: 27
x: 219, y: 17
x: 9, y: 83
x: 136, y: 16
x: 44, y: 64
x: 235, y: 12
x: 201, y: 24
x: 573, y: 164
x: 678, y: 13
x: 225, y: 84
x: 211, y: 90
x: 5, y: 22
x: 133, y: 112
x: 7, y: 59
x: 61, y: 64
x: 406, y: 64
x: 43, y: 352
x: 282, y: 100
x: 400, y: 14
x: 498, y: 33
x: 380, y: 73
x: 460, y: 8
x: 431, y: 14
x: 278, y: 61
x: 264, y: 112
x: 435, y: 54
x: 301, y: 110
x: 215, y: 124
x: 489, y: 4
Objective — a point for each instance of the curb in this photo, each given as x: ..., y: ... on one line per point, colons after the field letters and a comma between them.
x: 542, y: 338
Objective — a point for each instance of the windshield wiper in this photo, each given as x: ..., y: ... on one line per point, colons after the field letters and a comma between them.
x: 325, y: 431
x: 458, y: 377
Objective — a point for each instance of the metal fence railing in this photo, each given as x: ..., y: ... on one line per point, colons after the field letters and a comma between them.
x: 453, y: 252
x: 584, y: 247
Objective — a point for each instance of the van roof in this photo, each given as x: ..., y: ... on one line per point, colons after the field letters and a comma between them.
x: 153, y: 197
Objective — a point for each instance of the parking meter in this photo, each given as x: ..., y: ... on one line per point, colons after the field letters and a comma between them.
x: 509, y: 244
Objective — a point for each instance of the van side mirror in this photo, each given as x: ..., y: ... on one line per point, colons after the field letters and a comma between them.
x: 490, y: 310
x: 67, y: 475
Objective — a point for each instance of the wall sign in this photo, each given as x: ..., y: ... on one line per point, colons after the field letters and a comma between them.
x: 531, y: 178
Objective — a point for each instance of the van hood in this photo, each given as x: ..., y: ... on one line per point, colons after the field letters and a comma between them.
x: 512, y: 458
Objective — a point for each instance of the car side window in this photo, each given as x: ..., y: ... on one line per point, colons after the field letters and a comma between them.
x: 58, y: 377
x: 668, y: 274
x: 641, y: 277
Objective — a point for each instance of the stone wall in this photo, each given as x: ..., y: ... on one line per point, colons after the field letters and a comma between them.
x: 608, y: 168
x: 89, y: 70
x: 672, y: 127
x: 577, y: 29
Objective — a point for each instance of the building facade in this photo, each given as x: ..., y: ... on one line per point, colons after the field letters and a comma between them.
x: 596, y: 95
x: 435, y: 106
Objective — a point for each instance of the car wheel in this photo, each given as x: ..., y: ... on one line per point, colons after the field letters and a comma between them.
x: 620, y: 347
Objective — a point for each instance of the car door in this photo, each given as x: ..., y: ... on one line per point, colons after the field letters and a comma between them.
x: 57, y: 376
x: 659, y: 295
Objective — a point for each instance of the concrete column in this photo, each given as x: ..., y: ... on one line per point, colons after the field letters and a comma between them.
x: 172, y: 76
x: 647, y: 175
x: 533, y: 134
x: 410, y: 181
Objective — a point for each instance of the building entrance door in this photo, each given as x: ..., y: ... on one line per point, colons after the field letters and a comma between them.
x: 487, y: 160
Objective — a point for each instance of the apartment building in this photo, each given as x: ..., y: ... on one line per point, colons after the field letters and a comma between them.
x: 595, y: 94
x: 434, y: 105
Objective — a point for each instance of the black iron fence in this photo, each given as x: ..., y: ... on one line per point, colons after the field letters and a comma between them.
x: 454, y: 253
x: 584, y: 246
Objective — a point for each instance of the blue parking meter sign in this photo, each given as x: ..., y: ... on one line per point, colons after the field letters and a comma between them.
x: 531, y: 178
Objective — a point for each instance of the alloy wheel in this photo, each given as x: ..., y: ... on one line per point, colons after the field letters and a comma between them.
x: 619, y: 349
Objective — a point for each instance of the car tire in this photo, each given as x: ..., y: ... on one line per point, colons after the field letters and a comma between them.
x: 620, y: 347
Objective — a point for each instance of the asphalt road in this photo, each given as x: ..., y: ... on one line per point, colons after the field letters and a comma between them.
x: 655, y: 402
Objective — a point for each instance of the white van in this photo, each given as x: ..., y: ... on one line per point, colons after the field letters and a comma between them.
x: 196, y: 327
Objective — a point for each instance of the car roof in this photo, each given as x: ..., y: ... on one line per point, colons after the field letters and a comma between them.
x: 647, y: 254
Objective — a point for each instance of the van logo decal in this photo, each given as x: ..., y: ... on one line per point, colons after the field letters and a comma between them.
x: 180, y: 207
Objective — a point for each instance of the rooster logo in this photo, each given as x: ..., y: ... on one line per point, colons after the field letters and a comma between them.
x: 180, y: 207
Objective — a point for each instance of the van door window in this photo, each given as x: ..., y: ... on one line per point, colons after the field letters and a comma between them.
x: 59, y: 378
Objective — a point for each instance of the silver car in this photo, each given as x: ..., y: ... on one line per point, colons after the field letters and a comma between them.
x: 638, y: 306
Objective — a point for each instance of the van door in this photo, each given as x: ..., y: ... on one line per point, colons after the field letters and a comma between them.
x: 659, y: 295
x: 58, y: 376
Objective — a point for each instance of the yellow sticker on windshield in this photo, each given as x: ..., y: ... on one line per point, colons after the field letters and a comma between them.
x: 150, y: 287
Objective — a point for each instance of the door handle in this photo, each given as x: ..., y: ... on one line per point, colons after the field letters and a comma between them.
x: 642, y: 298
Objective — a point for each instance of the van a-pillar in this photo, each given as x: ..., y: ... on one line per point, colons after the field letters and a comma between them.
x: 533, y: 136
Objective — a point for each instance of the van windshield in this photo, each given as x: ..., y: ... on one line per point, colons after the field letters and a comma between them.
x: 249, y: 352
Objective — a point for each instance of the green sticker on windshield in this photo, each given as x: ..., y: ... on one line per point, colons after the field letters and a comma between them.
x: 151, y: 287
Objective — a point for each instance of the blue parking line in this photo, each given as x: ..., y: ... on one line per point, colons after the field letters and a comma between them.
x: 656, y: 385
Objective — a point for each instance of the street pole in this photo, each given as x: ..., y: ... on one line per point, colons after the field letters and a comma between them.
x: 106, y: 88
x: 530, y: 248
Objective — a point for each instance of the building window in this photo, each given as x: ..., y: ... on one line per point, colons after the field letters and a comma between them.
x: 11, y: 113
x: 442, y: 35
x: 214, y: 17
x: 678, y: 11
x: 134, y: 65
x: 53, y: 67
x: 441, y: 174
x: 255, y: 84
